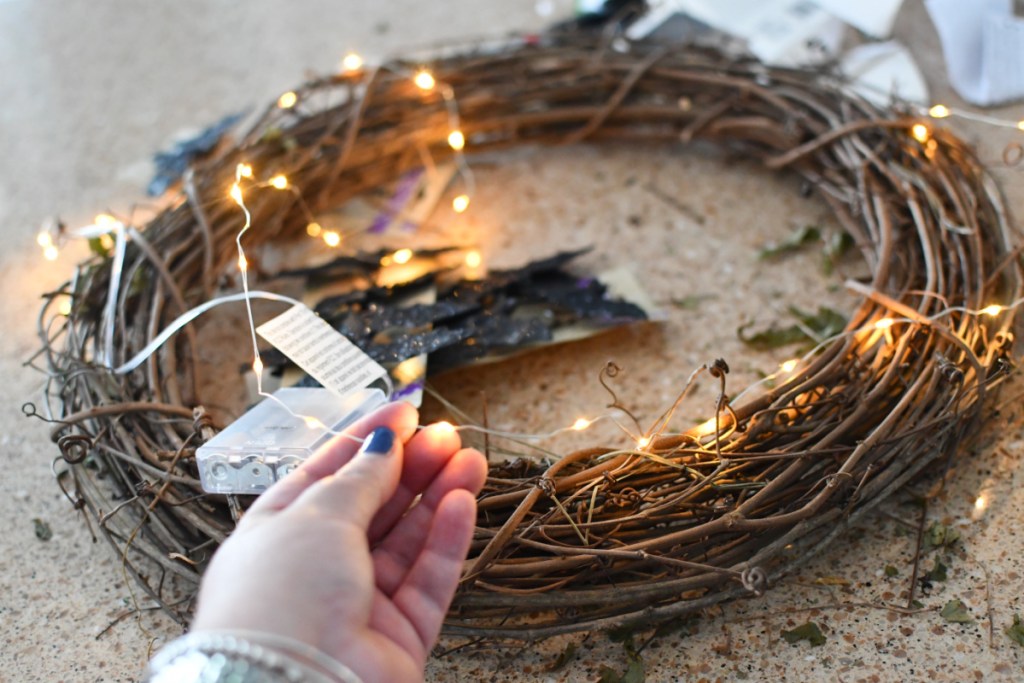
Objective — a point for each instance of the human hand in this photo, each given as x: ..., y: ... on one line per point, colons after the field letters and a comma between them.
x: 334, y: 557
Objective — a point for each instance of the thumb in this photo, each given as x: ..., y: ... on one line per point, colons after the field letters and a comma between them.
x: 361, y: 487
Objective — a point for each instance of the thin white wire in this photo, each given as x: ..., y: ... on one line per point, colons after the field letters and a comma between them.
x: 189, y: 316
x: 116, y: 269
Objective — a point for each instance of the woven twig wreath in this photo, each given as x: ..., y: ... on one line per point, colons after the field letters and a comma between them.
x: 600, y: 537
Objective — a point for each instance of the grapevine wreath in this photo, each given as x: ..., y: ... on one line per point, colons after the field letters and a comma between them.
x: 603, y: 536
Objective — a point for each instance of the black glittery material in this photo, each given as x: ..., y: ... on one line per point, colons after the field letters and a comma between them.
x: 506, y: 311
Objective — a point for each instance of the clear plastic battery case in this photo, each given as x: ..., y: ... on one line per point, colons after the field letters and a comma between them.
x: 276, y: 436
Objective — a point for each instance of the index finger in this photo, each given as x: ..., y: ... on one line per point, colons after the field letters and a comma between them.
x: 400, y: 417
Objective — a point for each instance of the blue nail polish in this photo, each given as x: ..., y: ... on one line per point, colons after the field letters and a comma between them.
x: 379, y: 442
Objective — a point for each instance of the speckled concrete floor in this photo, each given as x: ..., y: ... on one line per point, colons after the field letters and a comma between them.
x: 91, y: 89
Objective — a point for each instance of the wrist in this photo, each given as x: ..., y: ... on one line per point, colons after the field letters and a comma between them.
x: 244, y: 657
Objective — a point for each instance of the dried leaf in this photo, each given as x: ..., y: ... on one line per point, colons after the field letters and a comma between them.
x: 1016, y: 631
x: 622, y: 634
x: 634, y: 673
x: 43, y: 530
x: 825, y: 323
x: 891, y: 571
x: 812, y: 327
x: 678, y: 624
x: 809, y: 632
x: 692, y: 301
x: 939, y: 536
x: 938, y: 572
x: 796, y: 240
x: 564, y: 657
x: 956, y: 612
x: 773, y: 337
x: 831, y: 581
x: 835, y: 247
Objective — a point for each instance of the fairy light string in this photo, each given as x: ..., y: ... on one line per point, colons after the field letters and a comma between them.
x: 730, y: 490
x: 424, y: 80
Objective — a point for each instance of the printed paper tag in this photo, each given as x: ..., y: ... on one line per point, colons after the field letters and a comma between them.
x: 326, y: 354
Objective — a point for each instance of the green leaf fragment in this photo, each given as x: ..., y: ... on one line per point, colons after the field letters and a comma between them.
x: 838, y: 244
x: 823, y: 324
x: 835, y: 247
x: 956, y: 612
x: 43, y: 530
x: 814, y: 327
x: 938, y: 572
x: 1016, y: 631
x: 891, y: 571
x: 940, y: 536
x: 809, y: 632
x: 634, y: 673
x: 689, y: 623
x: 691, y: 301
x: 622, y: 634
x: 564, y: 657
x: 796, y: 240
x: 773, y: 337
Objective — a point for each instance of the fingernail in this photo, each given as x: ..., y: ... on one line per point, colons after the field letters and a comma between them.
x: 379, y: 442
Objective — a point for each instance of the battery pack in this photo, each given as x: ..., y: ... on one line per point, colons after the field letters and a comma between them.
x: 277, y: 435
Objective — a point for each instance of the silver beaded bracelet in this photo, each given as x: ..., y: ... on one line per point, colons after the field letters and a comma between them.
x: 244, y: 657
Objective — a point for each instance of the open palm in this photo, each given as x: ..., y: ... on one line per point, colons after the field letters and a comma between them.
x: 335, y: 557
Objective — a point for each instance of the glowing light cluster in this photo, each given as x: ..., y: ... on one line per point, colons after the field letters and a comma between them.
x: 287, y: 100
x: 920, y: 132
x: 456, y: 140
x: 424, y: 80
x: 941, y: 111
x: 884, y: 323
x: 992, y: 310
x: 45, y: 240
x: 351, y: 62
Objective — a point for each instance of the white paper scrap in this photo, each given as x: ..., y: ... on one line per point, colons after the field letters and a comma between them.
x: 983, y: 43
x: 882, y: 72
x: 779, y: 32
x: 316, y: 347
x: 873, y: 17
